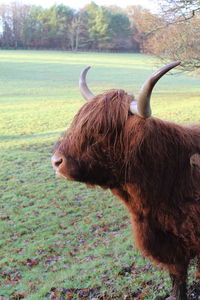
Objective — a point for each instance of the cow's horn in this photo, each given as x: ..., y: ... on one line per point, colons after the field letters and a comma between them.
x: 86, y: 93
x: 142, y: 106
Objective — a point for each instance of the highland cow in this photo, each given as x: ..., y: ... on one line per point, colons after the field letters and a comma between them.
x: 113, y: 142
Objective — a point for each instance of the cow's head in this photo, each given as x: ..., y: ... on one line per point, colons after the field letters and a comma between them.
x: 92, y: 149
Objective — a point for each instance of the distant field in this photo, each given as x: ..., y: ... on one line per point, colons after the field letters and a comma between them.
x: 61, y: 239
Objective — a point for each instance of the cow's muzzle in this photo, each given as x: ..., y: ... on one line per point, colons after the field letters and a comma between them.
x: 59, y: 163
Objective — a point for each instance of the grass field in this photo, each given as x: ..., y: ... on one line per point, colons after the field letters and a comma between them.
x: 61, y: 239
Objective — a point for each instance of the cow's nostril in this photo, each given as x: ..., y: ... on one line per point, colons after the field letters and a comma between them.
x: 56, y: 161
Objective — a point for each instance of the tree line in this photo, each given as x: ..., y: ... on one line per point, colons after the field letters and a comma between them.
x: 61, y: 27
x: 171, y: 34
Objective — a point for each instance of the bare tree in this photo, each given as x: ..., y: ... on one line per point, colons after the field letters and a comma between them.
x: 180, y: 10
x: 178, y: 37
x: 74, y: 31
x: 178, y: 42
x: 12, y: 18
x: 144, y: 25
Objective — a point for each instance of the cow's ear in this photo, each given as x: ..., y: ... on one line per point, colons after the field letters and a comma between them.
x: 195, y: 160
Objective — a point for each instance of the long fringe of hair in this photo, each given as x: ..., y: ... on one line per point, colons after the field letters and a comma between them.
x: 150, y: 153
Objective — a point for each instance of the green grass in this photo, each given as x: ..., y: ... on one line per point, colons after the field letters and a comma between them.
x: 59, y: 236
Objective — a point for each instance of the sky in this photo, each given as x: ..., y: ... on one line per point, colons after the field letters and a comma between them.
x: 150, y: 4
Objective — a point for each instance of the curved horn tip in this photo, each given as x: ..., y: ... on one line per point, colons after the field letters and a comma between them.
x: 178, y: 62
x: 84, y: 71
x: 163, y: 70
x: 175, y: 63
x: 86, y: 93
x: 87, y: 68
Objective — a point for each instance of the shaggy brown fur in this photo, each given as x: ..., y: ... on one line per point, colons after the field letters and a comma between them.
x: 145, y: 162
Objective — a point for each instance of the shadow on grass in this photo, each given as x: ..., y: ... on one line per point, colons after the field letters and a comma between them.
x: 28, y: 136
